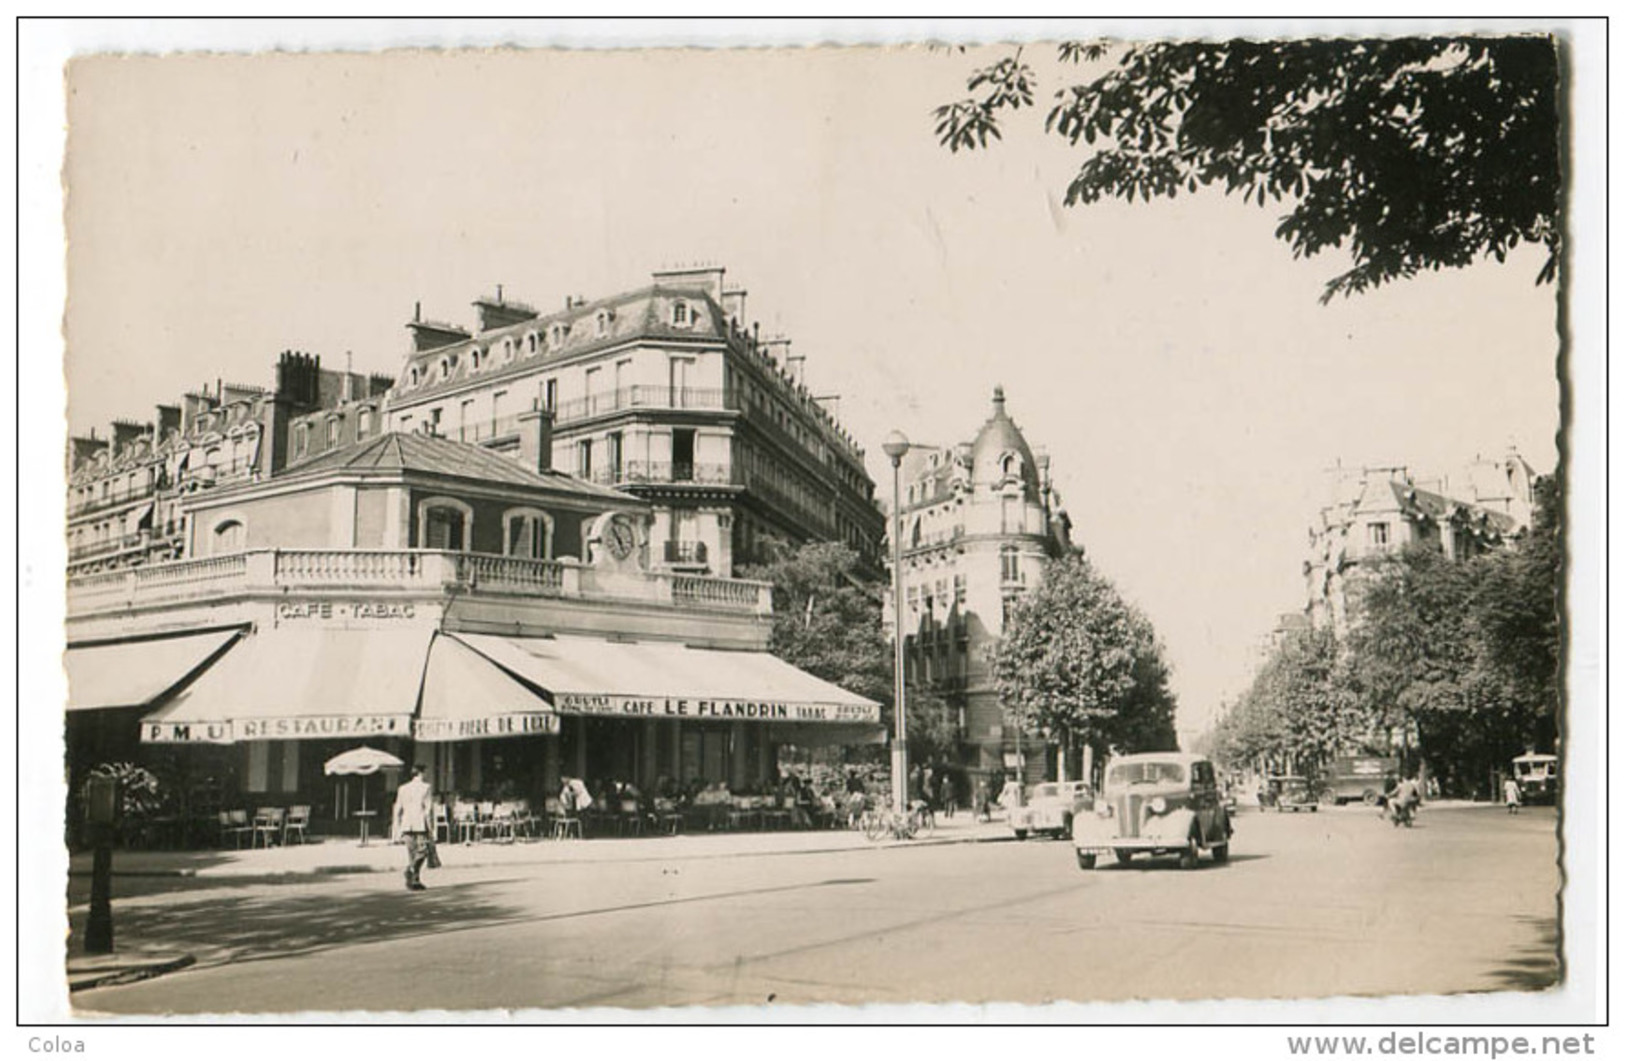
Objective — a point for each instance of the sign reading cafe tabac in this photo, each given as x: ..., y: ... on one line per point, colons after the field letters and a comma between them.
x: 757, y: 710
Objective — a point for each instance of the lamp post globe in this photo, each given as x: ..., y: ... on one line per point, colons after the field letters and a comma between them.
x: 895, y: 446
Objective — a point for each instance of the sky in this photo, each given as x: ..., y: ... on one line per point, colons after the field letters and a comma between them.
x: 1172, y: 358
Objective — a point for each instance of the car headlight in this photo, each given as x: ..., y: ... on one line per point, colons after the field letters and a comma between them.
x: 1158, y: 805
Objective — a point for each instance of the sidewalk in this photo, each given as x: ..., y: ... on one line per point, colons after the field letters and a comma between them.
x: 335, y: 856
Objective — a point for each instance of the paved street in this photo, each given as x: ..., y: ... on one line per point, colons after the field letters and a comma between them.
x: 1310, y: 905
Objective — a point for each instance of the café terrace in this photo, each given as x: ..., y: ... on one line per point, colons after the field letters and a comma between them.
x: 373, y: 597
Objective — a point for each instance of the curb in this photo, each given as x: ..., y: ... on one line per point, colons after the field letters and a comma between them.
x: 128, y: 974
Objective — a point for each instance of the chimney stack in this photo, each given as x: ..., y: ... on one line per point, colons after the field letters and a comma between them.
x: 536, y: 440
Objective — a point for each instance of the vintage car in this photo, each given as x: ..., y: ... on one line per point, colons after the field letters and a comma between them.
x: 1050, y: 808
x: 1156, y: 803
x: 1292, y: 794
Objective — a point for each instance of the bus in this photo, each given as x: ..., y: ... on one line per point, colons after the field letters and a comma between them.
x: 1537, y: 777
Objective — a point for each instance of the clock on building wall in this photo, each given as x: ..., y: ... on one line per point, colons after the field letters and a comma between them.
x: 620, y: 536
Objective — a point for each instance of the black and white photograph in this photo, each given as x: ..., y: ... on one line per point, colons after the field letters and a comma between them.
x: 786, y: 522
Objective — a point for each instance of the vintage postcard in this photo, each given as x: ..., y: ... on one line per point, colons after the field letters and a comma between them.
x: 956, y: 523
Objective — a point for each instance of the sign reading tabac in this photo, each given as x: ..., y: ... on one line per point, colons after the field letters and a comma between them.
x: 747, y: 710
x: 530, y: 723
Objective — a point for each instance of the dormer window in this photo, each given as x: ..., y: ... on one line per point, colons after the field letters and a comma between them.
x: 601, y: 321
x: 417, y: 375
x: 530, y: 343
x: 475, y: 356
x: 507, y: 351
x: 556, y: 333
x: 680, y: 317
x: 445, y: 368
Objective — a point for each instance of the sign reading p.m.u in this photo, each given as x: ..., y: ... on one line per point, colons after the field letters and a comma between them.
x: 706, y: 710
x: 317, y: 727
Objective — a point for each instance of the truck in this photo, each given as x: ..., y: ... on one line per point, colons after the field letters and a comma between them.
x: 1360, y: 777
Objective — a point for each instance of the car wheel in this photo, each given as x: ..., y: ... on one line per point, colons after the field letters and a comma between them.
x: 1314, y: 808
x: 1021, y: 834
x: 1221, y: 852
x: 1066, y: 828
x: 1369, y: 796
x: 1191, y: 852
x: 1086, y: 861
x: 1123, y: 854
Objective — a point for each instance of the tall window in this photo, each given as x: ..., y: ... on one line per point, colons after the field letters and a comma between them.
x: 1379, y: 535
x: 445, y: 523
x: 550, y: 395
x: 1009, y: 565
x: 227, y: 537
x: 584, y: 458
x: 679, y: 314
x: 613, y: 456
x: 527, y: 533
x: 682, y: 454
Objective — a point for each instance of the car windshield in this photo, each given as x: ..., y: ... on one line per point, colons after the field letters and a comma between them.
x: 1152, y: 773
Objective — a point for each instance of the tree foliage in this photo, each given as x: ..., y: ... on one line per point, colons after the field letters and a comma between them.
x: 1465, y: 655
x: 1078, y: 661
x: 827, y: 620
x: 1418, y: 153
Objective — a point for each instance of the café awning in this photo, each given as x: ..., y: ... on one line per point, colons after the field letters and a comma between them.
x: 467, y: 697
x: 597, y: 676
x: 289, y: 684
x: 137, y: 672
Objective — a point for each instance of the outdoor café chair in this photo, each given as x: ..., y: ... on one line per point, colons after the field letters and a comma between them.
x: 500, y: 825
x: 466, y: 817
x: 668, y: 819
x: 235, y: 824
x: 297, y: 821
x: 442, y: 823
x: 268, y: 825
x: 630, y: 819
x: 564, y: 823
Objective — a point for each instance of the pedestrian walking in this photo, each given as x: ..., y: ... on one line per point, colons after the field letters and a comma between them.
x: 414, y: 818
x: 1513, y: 794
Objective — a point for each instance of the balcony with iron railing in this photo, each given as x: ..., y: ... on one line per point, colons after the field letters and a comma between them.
x: 276, y: 572
x: 629, y: 473
x: 641, y: 397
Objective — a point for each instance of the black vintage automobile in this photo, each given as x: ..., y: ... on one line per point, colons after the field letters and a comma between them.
x: 1289, y: 793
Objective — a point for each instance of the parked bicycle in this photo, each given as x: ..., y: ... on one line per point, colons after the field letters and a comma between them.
x: 918, y: 820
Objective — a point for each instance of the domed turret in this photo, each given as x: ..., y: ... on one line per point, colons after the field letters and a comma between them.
x: 1000, y: 453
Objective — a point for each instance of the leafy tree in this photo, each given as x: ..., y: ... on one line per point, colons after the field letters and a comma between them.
x: 827, y: 620
x: 1078, y: 662
x: 1420, y: 153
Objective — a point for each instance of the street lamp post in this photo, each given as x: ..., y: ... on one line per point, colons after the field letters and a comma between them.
x: 895, y: 446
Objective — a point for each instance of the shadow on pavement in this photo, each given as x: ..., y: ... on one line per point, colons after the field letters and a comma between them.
x: 1535, y: 966
x: 277, y: 925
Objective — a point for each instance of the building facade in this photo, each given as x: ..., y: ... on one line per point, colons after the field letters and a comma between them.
x: 1376, y: 513
x: 662, y: 392
x: 500, y: 621
x: 980, y: 523
x: 125, y: 492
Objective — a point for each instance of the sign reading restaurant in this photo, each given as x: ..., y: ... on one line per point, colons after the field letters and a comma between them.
x: 308, y: 728
x: 760, y: 710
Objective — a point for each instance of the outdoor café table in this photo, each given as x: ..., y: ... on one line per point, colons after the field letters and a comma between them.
x: 366, y: 817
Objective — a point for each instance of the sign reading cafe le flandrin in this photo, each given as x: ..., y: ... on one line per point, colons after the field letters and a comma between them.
x: 748, y: 710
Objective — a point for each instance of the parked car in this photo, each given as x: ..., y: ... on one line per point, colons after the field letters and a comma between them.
x: 1156, y: 803
x: 1050, y: 808
x: 1292, y: 794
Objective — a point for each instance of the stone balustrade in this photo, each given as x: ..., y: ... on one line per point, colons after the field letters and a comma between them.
x: 356, y: 570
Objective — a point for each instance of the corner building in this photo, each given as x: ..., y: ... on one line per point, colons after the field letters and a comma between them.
x: 981, y: 520
x: 662, y: 392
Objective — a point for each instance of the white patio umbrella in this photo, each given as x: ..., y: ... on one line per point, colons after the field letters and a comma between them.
x: 363, y: 762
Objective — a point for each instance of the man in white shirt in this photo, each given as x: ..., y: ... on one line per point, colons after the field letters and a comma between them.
x: 414, y: 817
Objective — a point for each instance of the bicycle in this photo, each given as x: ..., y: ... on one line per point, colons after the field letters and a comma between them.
x: 879, y: 822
